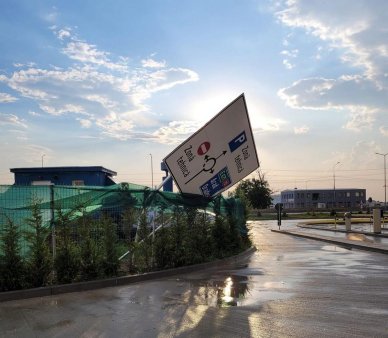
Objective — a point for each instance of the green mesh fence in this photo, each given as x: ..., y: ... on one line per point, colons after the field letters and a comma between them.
x: 16, y: 202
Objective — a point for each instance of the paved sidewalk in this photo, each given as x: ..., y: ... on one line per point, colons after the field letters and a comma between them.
x: 376, y: 247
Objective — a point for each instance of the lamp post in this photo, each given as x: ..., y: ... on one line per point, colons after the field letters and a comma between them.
x: 334, y: 201
x: 385, y: 179
x: 305, y: 195
x: 42, y: 159
x: 152, y: 173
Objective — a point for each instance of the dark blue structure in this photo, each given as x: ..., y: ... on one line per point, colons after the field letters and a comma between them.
x: 167, y: 186
x: 91, y: 176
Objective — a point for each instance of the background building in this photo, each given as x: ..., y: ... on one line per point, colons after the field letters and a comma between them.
x: 90, y: 176
x: 323, y: 198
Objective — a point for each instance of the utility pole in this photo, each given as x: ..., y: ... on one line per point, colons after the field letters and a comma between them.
x: 334, y: 201
x: 385, y: 179
x: 152, y: 173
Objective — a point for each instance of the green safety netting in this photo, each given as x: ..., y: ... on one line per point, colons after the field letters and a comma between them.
x: 16, y: 202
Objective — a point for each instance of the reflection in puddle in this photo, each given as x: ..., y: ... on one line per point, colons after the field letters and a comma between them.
x: 232, y: 291
x: 227, y: 292
x: 336, y: 248
x: 358, y: 237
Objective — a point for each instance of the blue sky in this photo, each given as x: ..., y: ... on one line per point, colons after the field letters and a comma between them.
x: 109, y: 83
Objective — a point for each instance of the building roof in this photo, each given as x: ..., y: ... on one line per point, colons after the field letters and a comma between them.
x: 63, y: 170
x: 328, y: 189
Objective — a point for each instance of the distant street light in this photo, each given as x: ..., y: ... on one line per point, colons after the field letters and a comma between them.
x: 42, y: 159
x: 334, y: 202
x: 385, y: 179
x: 152, y: 173
x: 305, y: 195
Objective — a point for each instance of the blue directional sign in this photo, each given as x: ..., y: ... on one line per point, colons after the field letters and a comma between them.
x: 217, y: 183
x: 237, y: 141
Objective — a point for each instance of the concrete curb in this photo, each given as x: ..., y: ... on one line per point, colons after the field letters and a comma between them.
x: 103, y: 283
x: 345, y: 231
x: 347, y: 243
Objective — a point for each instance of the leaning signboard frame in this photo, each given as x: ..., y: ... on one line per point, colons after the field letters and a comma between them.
x: 218, y: 155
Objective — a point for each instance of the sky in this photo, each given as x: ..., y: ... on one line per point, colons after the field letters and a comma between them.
x: 122, y: 83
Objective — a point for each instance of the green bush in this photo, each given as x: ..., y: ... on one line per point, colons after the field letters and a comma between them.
x: 67, y: 261
x: 198, y: 239
x: 143, y: 246
x: 90, y: 247
x: 12, y: 267
x: 110, y: 262
x: 39, y: 260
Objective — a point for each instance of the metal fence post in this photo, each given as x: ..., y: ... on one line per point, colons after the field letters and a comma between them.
x: 52, y: 220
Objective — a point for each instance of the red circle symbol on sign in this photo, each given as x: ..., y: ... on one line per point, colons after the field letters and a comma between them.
x: 203, y: 148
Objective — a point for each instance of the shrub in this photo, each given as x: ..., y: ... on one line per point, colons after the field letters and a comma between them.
x: 67, y: 262
x: 90, y: 247
x: 110, y: 263
x: 143, y: 246
x: 198, y: 238
x: 39, y: 262
x: 12, y: 268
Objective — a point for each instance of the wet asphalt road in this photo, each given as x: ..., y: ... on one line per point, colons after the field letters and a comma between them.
x: 291, y: 287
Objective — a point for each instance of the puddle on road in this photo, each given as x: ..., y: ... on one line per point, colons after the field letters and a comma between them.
x: 335, y: 248
x: 221, y: 292
x: 358, y: 237
x: 236, y: 290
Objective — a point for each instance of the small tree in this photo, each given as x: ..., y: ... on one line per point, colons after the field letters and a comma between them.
x: 12, y: 268
x: 254, y: 192
x: 235, y: 235
x: 220, y: 231
x: 67, y: 262
x: 178, y: 237
x: 143, y: 246
x: 111, y: 259
x: 163, y: 249
x: 39, y: 261
x: 198, y: 238
x: 90, y: 247
x: 128, y: 219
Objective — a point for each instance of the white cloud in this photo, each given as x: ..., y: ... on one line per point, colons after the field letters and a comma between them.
x: 290, y: 54
x: 34, y: 113
x: 360, y: 119
x: 176, y: 131
x: 360, y: 31
x: 288, y: 64
x: 301, y: 130
x: 151, y: 63
x: 104, y: 101
x: 361, y: 155
x: 85, y: 123
x: 18, y: 134
x: 6, y: 98
x: 63, y: 33
x: 88, y: 53
x: 384, y: 131
x: 99, y: 88
x: 67, y: 108
x: 265, y: 124
x: 13, y: 120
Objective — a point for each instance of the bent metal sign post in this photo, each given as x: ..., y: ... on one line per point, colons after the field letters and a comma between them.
x: 218, y: 155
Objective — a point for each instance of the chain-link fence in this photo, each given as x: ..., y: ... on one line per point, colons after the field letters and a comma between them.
x: 122, y: 203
